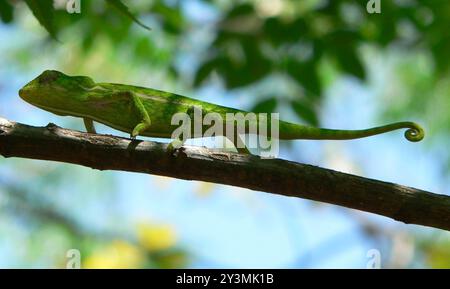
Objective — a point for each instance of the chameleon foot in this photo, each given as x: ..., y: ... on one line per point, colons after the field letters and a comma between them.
x: 173, y: 146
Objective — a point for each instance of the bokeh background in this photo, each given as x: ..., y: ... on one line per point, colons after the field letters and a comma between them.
x: 317, y: 62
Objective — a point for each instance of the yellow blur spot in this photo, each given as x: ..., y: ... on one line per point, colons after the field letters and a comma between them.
x: 117, y: 255
x: 156, y: 237
x: 438, y: 256
x: 205, y: 189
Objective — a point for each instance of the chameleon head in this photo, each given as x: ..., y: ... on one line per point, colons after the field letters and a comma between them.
x: 54, y: 90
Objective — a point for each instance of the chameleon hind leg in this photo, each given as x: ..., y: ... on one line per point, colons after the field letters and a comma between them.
x: 89, y: 125
x: 179, y: 142
x: 239, y: 144
x: 145, y: 122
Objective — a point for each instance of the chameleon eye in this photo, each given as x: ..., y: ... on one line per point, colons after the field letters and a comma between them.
x: 84, y: 81
x: 48, y: 76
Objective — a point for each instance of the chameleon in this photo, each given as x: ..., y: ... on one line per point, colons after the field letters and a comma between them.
x: 142, y: 111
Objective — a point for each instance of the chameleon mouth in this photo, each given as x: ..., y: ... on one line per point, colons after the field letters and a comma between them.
x: 28, y: 91
x: 24, y: 93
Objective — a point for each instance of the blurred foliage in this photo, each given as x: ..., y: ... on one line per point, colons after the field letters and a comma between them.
x: 155, y: 248
x: 243, y: 45
x: 255, y: 40
x: 156, y: 237
x: 43, y: 11
x: 56, y: 229
x: 435, y: 250
x: 438, y: 255
x: 116, y: 255
x: 415, y: 90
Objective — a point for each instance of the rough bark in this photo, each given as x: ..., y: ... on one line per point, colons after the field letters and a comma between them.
x: 106, y: 152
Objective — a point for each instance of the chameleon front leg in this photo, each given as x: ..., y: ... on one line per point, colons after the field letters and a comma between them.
x: 174, y: 145
x: 145, y: 122
x: 89, y: 125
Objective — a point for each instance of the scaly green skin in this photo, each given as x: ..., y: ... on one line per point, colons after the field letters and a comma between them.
x: 148, y: 112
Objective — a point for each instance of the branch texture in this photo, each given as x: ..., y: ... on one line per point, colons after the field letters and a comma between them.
x: 106, y: 152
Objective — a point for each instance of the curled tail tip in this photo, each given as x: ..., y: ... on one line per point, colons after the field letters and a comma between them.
x: 414, y: 133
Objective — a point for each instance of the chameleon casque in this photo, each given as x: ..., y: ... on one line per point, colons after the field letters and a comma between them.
x: 148, y: 112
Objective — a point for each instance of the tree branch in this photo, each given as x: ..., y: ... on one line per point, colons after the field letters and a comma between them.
x: 105, y: 152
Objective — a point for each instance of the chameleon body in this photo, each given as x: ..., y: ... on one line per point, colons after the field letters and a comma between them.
x: 148, y: 112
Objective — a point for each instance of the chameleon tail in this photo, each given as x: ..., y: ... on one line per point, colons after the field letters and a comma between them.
x: 414, y: 132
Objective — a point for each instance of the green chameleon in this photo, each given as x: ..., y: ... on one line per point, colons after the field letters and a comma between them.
x: 148, y: 112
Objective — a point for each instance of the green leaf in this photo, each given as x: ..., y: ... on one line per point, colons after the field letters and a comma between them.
x: 351, y: 63
x: 305, y: 73
x: 345, y: 43
x: 171, y: 17
x: 124, y: 10
x: 204, y: 71
x: 280, y: 32
x: 253, y: 67
x: 440, y: 53
x: 240, y: 10
x: 237, y: 69
x: 305, y: 111
x: 267, y: 106
x: 43, y: 11
x: 6, y: 11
